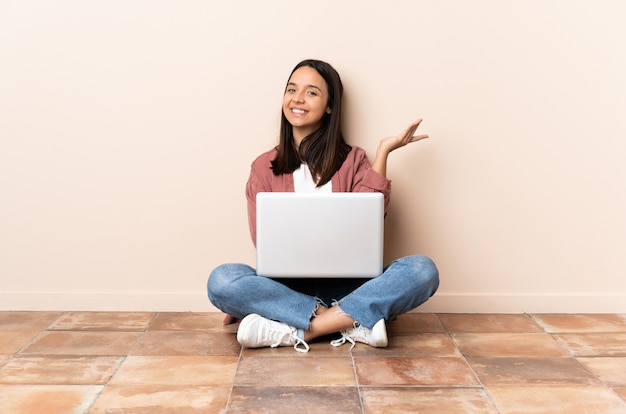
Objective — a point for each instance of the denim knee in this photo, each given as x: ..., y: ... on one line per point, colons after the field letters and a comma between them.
x: 220, y: 281
x: 425, y: 272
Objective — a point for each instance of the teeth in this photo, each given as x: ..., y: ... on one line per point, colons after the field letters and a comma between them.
x: 297, y: 111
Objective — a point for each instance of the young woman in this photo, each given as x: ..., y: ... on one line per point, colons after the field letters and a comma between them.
x: 312, y: 156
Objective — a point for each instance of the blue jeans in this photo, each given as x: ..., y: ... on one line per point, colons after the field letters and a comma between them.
x: 405, y: 284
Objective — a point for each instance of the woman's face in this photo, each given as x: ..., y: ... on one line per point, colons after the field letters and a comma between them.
x: 305, y: 102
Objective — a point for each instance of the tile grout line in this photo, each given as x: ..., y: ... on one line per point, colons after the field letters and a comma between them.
x: 38, y: 336
x: 583, y: 366
x: 356, y: 380
x: 124, y: 358
x: 464, y: 357
x: 232, y: 384
x: 18, y: 353
x: 571, y: 353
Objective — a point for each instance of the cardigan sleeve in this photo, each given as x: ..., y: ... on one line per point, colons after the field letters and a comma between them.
x: 253, y: 186
x: 260, y: 180
x: 357, y: 175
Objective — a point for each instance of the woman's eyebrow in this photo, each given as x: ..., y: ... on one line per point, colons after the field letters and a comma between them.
x: 308, y: 86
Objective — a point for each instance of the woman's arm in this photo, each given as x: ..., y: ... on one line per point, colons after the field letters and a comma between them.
x: 260, y: 179
x: 389, y: 144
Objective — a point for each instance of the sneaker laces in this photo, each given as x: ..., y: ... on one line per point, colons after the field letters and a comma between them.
x: 305, y: 347
x: 288, y: 336
x: 356, y: 333
x: 342, y: 340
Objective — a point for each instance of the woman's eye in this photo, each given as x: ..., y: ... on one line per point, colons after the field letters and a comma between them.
x: 312, y: 93
x: 291, y: 90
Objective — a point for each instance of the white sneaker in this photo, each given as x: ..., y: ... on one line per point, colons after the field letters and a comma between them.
x: 256, y: 331
x: 376, y: 337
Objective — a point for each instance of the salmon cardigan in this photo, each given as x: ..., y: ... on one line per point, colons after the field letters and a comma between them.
x: 354, y: 175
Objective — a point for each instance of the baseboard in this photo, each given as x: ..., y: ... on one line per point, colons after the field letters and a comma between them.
x: 198, y: 302
x: 525, y: 303
x: 106, y: 301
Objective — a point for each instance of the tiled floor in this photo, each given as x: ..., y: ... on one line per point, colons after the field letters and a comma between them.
x: 90, y: 362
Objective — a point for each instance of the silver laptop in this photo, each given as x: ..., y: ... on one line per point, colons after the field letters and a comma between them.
x: 319, y: 235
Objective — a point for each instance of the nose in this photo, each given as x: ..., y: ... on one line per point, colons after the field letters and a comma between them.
x: 298, y: 97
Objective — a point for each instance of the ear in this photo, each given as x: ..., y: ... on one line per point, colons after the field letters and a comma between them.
x: 328, y: 110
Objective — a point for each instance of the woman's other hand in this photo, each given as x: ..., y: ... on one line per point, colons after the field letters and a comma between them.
x: 392, y: 143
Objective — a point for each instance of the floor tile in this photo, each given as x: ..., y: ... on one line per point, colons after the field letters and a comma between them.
x: 559, y: 323
x: 295, y: 371
x: 4, y: 358
x: 611, y: 370
x: 621, y: 391
x: 417, y: 344
x: 12, y: 341
x: 59, y: 370
x: 528, y: 371
x: 161, y: 399
x: 487, y: 322
x: 189, y: 362
x: 415, y: 322
x: 556, y: 400
x: 292, y: 399
x: 594, y: 344
x: 176, y: 370
x: 191, y: 321
x: 432, y: 372
x: 319, y: 349
x: 103, y: 321
x: 27, y: 321
x: 531, y: 345
x: 47, y: 399
x: 426, y: 400
x: 83, y: 343
x: 187, y: 343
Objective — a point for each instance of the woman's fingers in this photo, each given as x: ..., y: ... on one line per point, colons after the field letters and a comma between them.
x: 405, y: 137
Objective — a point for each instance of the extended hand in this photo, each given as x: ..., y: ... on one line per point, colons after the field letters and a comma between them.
x: 391, y: 143
x: 405, y: 137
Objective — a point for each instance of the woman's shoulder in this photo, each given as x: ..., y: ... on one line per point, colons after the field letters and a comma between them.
x: 266, y: 158
x: 356, y: 153
x: 357, y: 150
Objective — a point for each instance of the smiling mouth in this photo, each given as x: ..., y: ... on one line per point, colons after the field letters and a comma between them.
x: 298, y: 111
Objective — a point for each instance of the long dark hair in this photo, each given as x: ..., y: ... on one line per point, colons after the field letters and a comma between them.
x: 323, y: 150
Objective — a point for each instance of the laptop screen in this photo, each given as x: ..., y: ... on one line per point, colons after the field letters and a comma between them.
x: 320, y: 235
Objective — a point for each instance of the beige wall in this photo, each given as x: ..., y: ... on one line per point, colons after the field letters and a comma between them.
x: 127, y: 129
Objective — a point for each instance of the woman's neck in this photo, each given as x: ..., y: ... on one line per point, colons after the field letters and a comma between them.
x: 300, y: 133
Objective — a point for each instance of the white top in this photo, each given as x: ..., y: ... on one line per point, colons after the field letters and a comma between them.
x: 303, y: 182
